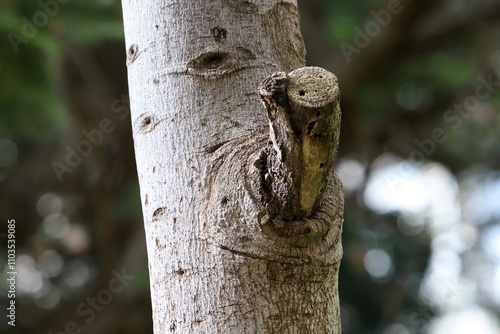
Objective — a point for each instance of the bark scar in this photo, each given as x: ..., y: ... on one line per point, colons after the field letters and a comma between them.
x: 215, y: 62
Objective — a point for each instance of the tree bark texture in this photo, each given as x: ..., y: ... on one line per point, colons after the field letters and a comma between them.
x: 235, y: 242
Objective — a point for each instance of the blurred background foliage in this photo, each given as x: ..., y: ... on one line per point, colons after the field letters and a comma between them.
x: 419, y: 159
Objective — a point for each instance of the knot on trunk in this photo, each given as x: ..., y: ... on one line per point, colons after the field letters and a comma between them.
x: 304, y: 126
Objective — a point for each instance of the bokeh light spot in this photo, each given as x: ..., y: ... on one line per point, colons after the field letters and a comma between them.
x: 352, y: 174
x: 8, y: 153
x: 76, y: 273
x: 472, y: 320
x: 49, y: 203
x: 410, y: 96
x: 50, y: 263
x: 29, y: 280
x: 56, y: 225
x: 378, y: 263
x: 77, y: 240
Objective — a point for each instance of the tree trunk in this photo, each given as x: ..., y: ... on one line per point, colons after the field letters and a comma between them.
x: 241, y: 209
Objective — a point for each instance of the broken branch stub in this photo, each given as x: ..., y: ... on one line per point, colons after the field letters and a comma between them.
x: 303, y: 108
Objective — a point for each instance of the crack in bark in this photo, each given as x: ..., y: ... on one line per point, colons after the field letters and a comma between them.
x: 213, y: 148
x: 297, y: 261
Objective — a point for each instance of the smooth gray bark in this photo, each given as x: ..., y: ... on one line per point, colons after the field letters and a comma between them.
x: 220, y: 261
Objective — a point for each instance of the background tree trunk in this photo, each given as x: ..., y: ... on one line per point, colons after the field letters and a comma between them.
x: 217, y: 262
